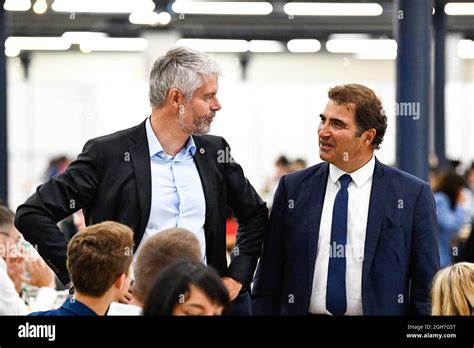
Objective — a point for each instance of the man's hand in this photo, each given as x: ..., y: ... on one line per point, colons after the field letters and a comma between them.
x: 232, y: 286
x: 15, y: 270
x: 40, y: 273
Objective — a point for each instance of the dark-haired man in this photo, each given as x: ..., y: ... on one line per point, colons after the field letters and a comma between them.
x: 349, y: 236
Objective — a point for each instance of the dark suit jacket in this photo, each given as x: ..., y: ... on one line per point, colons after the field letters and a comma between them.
x: 111, y: 180
x: 401, y: 247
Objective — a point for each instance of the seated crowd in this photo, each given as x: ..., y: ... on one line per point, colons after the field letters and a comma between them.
x: 101, y: 264
x: 169, y: 277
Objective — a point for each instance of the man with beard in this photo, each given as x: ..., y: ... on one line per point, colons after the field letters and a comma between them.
x: 161, y: 174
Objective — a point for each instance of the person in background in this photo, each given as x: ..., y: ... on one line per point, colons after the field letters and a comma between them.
x: 99, y: 261
x: 433, y: 176
x: 16, y: 257
x: 231, y: 227
x: 449, y: 199
x: 467, y: 252
x: 455, y: 165
x: 158, y: 251
x: 56, y: 166
x: 187, y: 288
x: 71, y: 224
x: 469, y: 175
x: 453, y: 290
x: 351, y: 235
x: 282, y: 167
x: 297, y: 164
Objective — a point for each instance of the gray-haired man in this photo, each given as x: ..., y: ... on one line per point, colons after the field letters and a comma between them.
x: 161, y: 174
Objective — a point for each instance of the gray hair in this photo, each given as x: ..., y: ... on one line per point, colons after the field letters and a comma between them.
x: 182, y: 68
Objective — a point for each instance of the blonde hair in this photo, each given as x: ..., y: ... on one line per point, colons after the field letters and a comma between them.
x: 453, y: 290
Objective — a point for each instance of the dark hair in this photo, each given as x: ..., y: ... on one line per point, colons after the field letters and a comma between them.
x: 176, y: 280
x: 369, y: 112
x: 6, y: 216
x: 451, y: 184
x: 282, y: 161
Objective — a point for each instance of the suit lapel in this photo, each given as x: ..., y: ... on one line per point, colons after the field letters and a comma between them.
x: 140, y: 157
x: 204, y: 165
x: 318, y: 192
x: 378, y: 198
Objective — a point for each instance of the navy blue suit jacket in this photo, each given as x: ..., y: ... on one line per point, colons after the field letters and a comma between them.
x: 70, y: 307
x: 401, y: 247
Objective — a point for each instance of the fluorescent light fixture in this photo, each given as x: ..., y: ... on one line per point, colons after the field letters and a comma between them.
x: 215, y: 45
x: 303, y: 45
x: 146, y: 18
x: 361, y: 46
x: 114, y: 44
x: 164, y: 18
x: 17, y: 5
x: 222, y: 8
x: 332, y: 9
x: 40, y: 7
x: 345, y: 36
x: 266, y: 46
x: 77, y: 37
x: 88, y: 41
x: 12, y: 52
x: 459, y: 8
x: 103, y: 6
x: 36, y: 43
x: 150, y: 18
x: 466, y: 49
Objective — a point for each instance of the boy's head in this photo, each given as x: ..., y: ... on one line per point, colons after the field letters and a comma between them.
x: 99, y: 258
x: 159, y: 251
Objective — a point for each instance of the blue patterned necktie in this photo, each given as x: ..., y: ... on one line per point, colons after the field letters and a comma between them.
x: 336, y: 302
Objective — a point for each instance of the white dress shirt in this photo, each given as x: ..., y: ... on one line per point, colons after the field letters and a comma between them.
x: 116, y: 308
x: 358, y: 210
x: 177, y: 196
x: 10, y: 302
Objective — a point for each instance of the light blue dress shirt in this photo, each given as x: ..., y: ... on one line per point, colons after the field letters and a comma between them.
x: 177, y: 196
